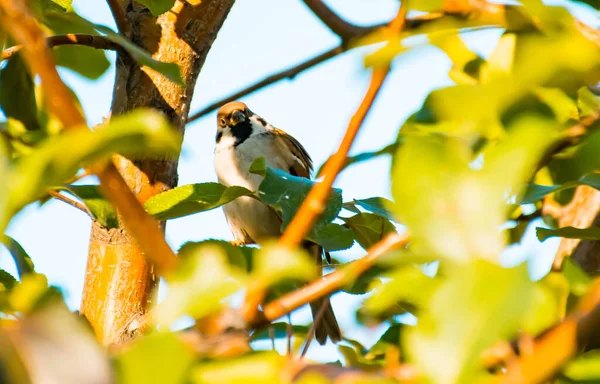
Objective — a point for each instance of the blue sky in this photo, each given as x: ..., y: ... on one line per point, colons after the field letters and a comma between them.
x: 258, y: 38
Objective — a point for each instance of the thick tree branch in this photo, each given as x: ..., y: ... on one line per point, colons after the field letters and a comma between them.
x: 289, y: 73
x: 58, y: 196
x: 330, y: 283
x: 120, y: 18
x: 18, y: 21
x: 93, y: 41
x: 336, y: 24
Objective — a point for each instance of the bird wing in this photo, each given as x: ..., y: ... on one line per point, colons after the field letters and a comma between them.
x: 299, y: 160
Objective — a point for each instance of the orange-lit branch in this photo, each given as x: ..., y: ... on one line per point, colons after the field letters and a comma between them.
x: 93, y: 41
x: 21, y: 25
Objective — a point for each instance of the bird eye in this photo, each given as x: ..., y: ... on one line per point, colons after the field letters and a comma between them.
x: 222, y: 122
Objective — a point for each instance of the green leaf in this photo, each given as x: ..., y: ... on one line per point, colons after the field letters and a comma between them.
x: 354, y: 358
x: 378, y: 205
x: 369, y: 228
x: 407, y: 284
x: 55, y: 5
x: 588, y: 102
x: 158, y: 7
x: 22, y: 260
x: 578, y: 280
x: 25, y: 296
x: 256, y: 368
x: 286, y: 193
x: 258, y: 166
x: 17, y: 93
x: 426, y: 5
x: 536, y: 192
x: 7, y: 281
x: 592, y: 233
x: 364, y: 283
x: 203, y: 279
x: 332, y: 237
x: 157, y: 358
x: 446, y: 345
x: 192, y: 198
x: 71, y: 21
x: 87, y: 61
x: 59, y: 158
x: 365, y: 156
x: 585, y: 368
x: 274, y: 264
x: 238, y: 256
x: 102, y: 210
x: 278, y: 331
x: 390, y: 337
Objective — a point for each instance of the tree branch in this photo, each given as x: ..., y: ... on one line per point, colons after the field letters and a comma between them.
x: 336, y: 24
x: 93, y: 41
x: 58, y: 196
x: 330, y: 283
x: 21, y: 25
x: 120, y: 18
x: 288, y: 73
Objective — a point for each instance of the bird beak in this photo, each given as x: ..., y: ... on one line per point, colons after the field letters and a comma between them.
x: 237, y: 117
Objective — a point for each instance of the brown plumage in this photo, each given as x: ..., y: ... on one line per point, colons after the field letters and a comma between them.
x: 243, y: 136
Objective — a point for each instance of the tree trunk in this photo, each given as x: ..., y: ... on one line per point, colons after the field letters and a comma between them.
x: 119, y: 281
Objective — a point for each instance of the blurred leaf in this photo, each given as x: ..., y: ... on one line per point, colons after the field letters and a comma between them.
x: 446, y: 344
x: 332, y: 237
x: 274, y: 263
x: 390, y: 337
x: 562, y: 105
x: 55, y: 5
x: 355, y: 359
x: 578, y: 280
x: 369, y: 228
x: 378, y: 205
x: 198, y: 287
x: 257, y: 368
x: 454, y: 210
x: 156, y: 358
x: 192, y: 198
x: 406, y: 284
x: 238, y: 256
x: 17, y: 93
x: 384, y: 55
x: 515, y: 234
x: 22, y: 260
x: 585, y: 368
x: 59, y: 158
x: 364, y: 283
x: 278, y: 330
x: 158, y: 7
x: 592, y: 233
x: 350, y: 160
x: 87, y: 61
x: 426, y: 5
x: 25, y: 296
x: 102, y: 210
x: 536, y: 192
x: 548, y: 305
x: 587, y: 101
x: 7, y: 281
x: 73, y: 23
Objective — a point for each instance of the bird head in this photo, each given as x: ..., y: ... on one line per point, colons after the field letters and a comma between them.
x: 236, y: 122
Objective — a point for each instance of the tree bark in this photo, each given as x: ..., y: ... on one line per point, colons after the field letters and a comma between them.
x: 119, y: 281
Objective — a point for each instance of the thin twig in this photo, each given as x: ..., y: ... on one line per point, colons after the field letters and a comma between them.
x: 93, y: 41
x: 58, y: 196
x: 330, y: 283
x: 120, y: 18
x: 336, y: 24
x: 22, y: 26
x: 288, y: 73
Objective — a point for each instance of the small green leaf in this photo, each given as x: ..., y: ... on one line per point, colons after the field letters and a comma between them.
x: 22, y: 260
x: 7, y: 281
x: 350, y: 160
x: 592, y: 233
x: 198, y: 287
x: 332, y: 237
x: 578, y: 280
x: 102, y: 210
x: 378, y: 205
x: 258, y: 166
x: 274, y: 264
x: 157, y: 358
x: 158, y: 7
x: 238, y: 256
x: 585, y: 368
x: 369, y: 228
x: 87, y: 61
x: 390, y: 337
x: 355, y: 358
x: 192, y: 198
x: 25, y: 296
x: 17, y: 93
x: 256, y: 368
x: 536, y: 192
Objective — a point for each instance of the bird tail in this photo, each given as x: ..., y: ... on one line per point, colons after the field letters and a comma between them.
x: 326, y: 324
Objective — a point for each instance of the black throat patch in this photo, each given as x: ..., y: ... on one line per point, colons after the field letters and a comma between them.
x: 241, y: 132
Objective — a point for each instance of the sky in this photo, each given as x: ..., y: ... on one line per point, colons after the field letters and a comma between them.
x: 315, y: 107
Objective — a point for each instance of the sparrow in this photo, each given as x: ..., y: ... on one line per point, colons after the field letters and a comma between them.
x: 242, y: 137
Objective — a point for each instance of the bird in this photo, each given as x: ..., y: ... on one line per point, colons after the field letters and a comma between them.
x: 242, y: 137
